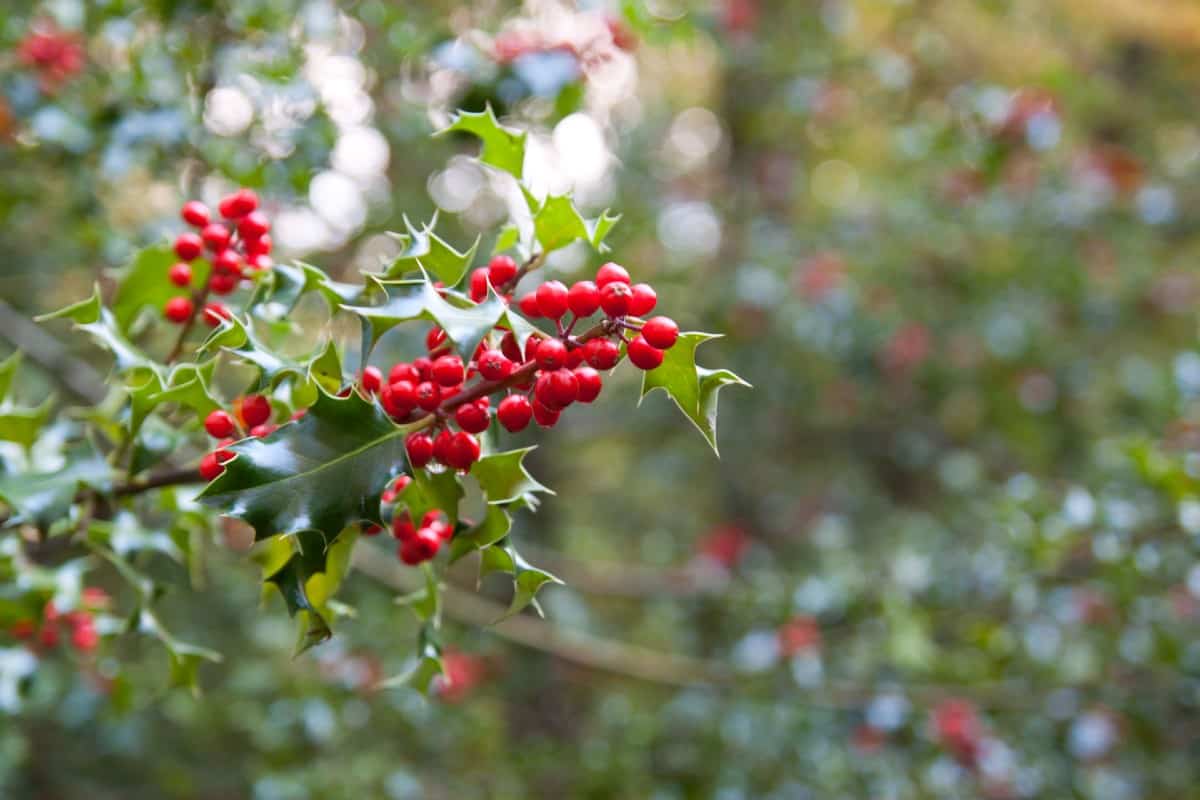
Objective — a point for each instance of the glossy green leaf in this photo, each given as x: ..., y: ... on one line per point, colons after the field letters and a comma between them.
x: 286, y: 284
x: 425, y: 250
x: 91, y: 317
x: 143, y: 284
x: 23, y: 425
x: 431, y: 491
x: 503, y: 476
x: 693, y: 389
x: 495, y: 526
x: 503, y: 148
x: 527, y: 579
x: 323, y: 473
x: 41, y: 498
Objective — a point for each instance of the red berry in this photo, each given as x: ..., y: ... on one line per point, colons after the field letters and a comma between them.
x: 254, y: 226
x: 529, y: 305
x: 219, y: 424
x: 434, y: 339
x: 574, y: 357
x: 48, y: 636
x: 478, y: 287
x: 643, y: 354
x: 660, y: 332
x: 402, y: 526
x: 601, y: 353
x: 441, y: 445
x: 615, y: 299
x: 84, y: 637
x: 255, y: 410
x: 419, y: 447
x: 401, y: 483
x: 424, y: 368
x: 552, y: 299
x: 493, y: 365
x: 188, y: 246
x: 260, y: 261
x: 546, y: 417
x: 448, y: 370
x: 266, y: 429
x: 223, y: 283
x: 180, y: 274
x: 372, y: 529
x: 514, y: 412
x: 195, y: 213
x: 213, y: 464
x: 372, y: 379
x: 429, y: 396
x: 463, y: 451
x: 399, y: 398
x: 609, y: 273
x: 422, y: 547
x: 238, y: 204
x: 472, y: 418
x: 508, y: 346
x: 501, y: 270
x: 215, y: 236
x: 258, y: 247
x: 227, y: 262
x: 178, y: 309
x: 556, y: 390
x: 584, y: 298
x: 404, y: 372
x: 550, y: 354
x: 643, y: 299
x: 214, y: 313
x: 589, y: 384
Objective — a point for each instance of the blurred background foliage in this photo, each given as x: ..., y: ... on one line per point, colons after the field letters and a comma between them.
x: 950, y: 548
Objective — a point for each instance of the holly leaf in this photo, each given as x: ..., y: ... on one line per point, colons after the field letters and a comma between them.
x: 425, y: 250
x: 421, y: 672
x: 8, y: 370
x: 91, y: 317
x: 527, y: 579
x: 144, y: 283
x: 425, y: 602
x: 693, y: 389
x: 286, y: 284
x: 503, y: 148
x: 503, y: 477
x: 557, y: 223
x: 598, y: 230
x: 322, y: 473
x: 21, y: 424
x: 495, y: 526
x: 183, y: 659
x: 41, y: 498
x: 431, y: 491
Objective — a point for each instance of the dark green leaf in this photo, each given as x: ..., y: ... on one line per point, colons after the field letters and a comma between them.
x: 144, y: 283
x: 427, y: 251
x: 503, y: 148
x: 503, y: 476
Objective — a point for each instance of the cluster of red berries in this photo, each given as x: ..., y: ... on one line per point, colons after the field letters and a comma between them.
x: 56, y: 55
x: 238, y: 249
x: 251, y: 417
x: 81, y: 623
x: 418, y: 543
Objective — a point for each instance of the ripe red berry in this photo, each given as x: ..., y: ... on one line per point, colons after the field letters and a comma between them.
x: 219, y: 424
x: 419, y: 447
x: 424, y: 367
x: 435, y: 338
x: 643, y: 354
x: 493, y: 365
x: 546, y: 417
x: 258, y: 247
x: 260, y: 262
x: 557, y: 389
x: 238, y: 204
x: 429, y: 396
x: 223, y: 283
x: 254, y: 226
x: 660, y: 332
x: 399, y: 398
x: 508, y: 346
x: 84, y: 637
x: 602, y: 353
x: 255, y: 410
x: 552, y: 299
x: 214, y: 313
x: 180, y: 274
x: 215, y: 236
x: 514, y: 412
x: 448, y: 370
x: 441, y: 445
x: 574, y: 357
x: 462, y: 451
x: 643, y: 299
x: 589, y: 384
x: 195, y: 213
x: 213, y: 464
x: 478, y: 286
x: 372, y: 379
x: 227, y: 262
x: 501, y: 270
x: 529, y: 305
x: 615, y: 299
x: 472, y: 418
x: 609, y: 273
x: 401, y: 483
x: 421, y: 547
x: 404, y: 372
x: 403, y: 528
x: 188, y: 246
x: 372, y: 529
x: 178, y: 309
x: 584, y: 298
x: 259, y: 431
x: 550, y: 354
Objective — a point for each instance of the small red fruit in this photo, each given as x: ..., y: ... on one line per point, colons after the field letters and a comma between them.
x: 434, y: 339
x: 195, y: 213
x: 550, y: 354
x: 508, y: 346
x: 227, y: 262
x: 403, y: 528
x: 424, y: 367
x: 429, y: 396
x: 215, y: 236
x: 478, y: 287
x: 546, y: 417
x: 602, y: 353
x: 188, y: 246
x: 558, y: 389
x: 552, y: 299
x: 472, y: 418
x: 441, y: 446
x: 219, y: 424
x: 501, y: 270
x: 215, y: 313
x: 372, y: 379
x: 448, y: 370
x: 643, y: 299
x: 589, y: 384
x: 399, y: 398
x: 255, y: 410
x: 529, y: 305
x: 404, y: 372
x: 493, y: 365
x: 661, y: 332
x: 178, y: 309
x: 610, y: 273
x: 514, y: 412
x: 419, y: 447
x: 223, y: 283
x: 584, y: 298
x: 180, y: 275
x: 643, y: 354
x: 258, y: 247
x: 254, y: 225
x: 238, y: 204
x: 463, y: 451
x: 421, y: 547
x: 615, y: 299
x: 212, y: 465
